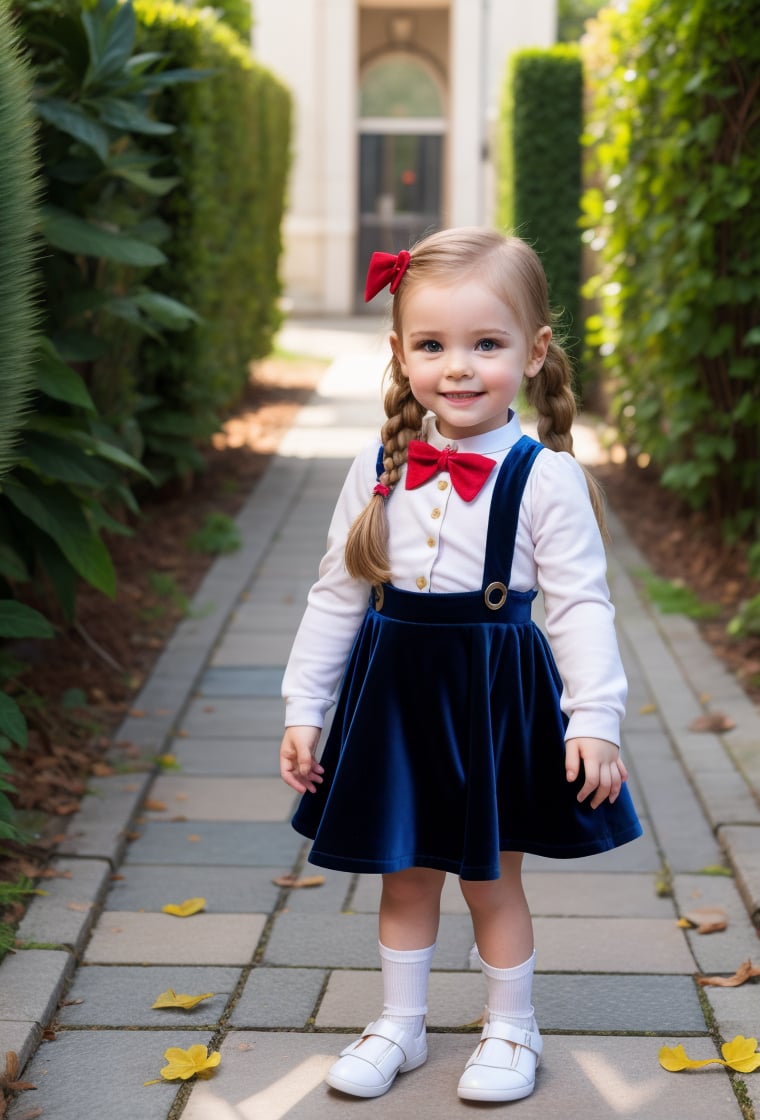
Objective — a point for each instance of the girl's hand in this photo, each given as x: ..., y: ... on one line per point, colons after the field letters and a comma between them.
x: 298, y: 766
x: 604, y: 770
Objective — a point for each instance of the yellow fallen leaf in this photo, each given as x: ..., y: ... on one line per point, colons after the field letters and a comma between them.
x: 185, y: 909
x: 739, y: 1054
x: 746, y: 971
x: 674, y: 1058
x: 167, y: 762
x: 184, y: 1064
x: 647, y: 709
x: 169, y: 998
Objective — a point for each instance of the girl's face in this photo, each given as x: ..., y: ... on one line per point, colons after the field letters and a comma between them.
x: 465, y: 355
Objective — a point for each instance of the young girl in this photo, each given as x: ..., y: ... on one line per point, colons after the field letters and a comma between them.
x: 457, y: 742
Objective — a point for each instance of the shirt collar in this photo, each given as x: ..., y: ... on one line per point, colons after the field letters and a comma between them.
x: 489, y: 443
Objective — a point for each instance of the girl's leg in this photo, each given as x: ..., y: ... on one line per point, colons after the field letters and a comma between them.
x: 504, y: 1064
x: 409, y: 914
x: 500, y: 915
x: 395, y: 1043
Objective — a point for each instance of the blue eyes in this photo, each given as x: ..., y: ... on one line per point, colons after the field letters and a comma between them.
x: 432, y: 346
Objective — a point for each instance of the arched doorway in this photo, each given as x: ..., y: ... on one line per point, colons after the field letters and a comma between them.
x: 401, y: 135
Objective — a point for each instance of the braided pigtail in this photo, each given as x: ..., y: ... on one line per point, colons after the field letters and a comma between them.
x: 550, y: 393
x: 366, y: 553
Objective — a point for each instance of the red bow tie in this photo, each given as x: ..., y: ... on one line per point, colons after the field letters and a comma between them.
x: 468, y: 472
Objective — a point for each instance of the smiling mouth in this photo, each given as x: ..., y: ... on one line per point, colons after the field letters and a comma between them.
x: 461, y: 396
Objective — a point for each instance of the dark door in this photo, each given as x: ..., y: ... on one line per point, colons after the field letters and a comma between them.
x: 399, y: 193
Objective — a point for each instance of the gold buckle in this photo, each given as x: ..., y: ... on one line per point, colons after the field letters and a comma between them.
x: 495, y: 604
x: 379, y: 594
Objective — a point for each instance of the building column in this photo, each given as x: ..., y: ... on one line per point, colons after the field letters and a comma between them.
x: 469, y: 62
x: 338, y: 49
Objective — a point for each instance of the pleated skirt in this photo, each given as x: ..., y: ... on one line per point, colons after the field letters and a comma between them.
x: 447, y: 747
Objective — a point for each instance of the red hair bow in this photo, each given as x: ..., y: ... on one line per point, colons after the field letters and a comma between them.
x: 385, y: 268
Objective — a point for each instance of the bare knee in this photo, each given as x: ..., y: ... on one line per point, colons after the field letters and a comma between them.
x: 411, y: 886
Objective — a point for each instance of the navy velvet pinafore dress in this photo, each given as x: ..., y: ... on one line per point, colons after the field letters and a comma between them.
x: 447, y: 743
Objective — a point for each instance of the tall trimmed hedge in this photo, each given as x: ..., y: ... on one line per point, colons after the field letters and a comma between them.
x: 675, y: 222
x: 540, y: 168
x: 19, y: 191
x: 231, y: 152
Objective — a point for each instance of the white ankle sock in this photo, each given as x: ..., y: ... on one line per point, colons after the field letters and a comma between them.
x: 509, y: 992
x: 405, y: 983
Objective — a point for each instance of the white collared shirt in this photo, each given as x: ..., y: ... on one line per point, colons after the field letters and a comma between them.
x: 436, y: 544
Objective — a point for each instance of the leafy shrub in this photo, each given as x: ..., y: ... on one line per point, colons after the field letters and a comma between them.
x: 18, y: 219
x: 230, y: 148
x: 540, y: 168
x: 675, y: 223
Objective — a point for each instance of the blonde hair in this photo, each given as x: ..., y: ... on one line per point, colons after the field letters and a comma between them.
x: 515, y: 273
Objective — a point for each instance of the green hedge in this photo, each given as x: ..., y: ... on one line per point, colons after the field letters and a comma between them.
x: 19, y: 176
x: 540, y: 168
x: 676, y: 225
x: 231, y: 152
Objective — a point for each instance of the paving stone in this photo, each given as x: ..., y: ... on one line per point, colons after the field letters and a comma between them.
x: 20, y: 1037
x: 331, y: 898
x: 222, y: 843
x: 278, y: 997
x: 64, y: 914
x: 120, y: 996
x: 123, y: 937
x: 742, y: 843
x: 102, y: 1073
x: 31, y: 982
x: 736, y: 1010
x: 246, y: 651
x: 220, y: 799
x: 100, y: 828
x: 616, y: 945
x: 227, y: 757
x: 719, y: 952
x: 684, y: 836
x: 595, y: 894
x: 227, y: 890
x: 226, y: 679
x: 350, y: 941
x: 234, y: 719
x: 601, y: 1004
x: 282, y: 1075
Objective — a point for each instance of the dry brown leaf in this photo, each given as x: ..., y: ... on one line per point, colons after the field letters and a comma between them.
x: 712, y: 721
x: 711, y: 919
x: 746, y: 971
x: 82, y: 907
x: 292, y: 881
x: 102, y: 770
x: 193, y: 838
x: 154, y: 806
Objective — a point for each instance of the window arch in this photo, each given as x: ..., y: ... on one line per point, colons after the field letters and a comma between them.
x: 399, y: 86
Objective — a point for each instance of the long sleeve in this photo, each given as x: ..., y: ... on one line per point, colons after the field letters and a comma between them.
x: 571, y: 571
x: 335, y: 608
